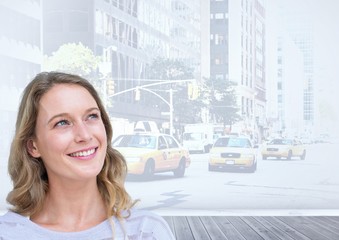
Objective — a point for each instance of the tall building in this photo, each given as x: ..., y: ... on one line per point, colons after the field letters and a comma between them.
x: 237, y: 54
x: 285, y: 71
x: 298, y: 23
x: 290, y: 85
x: 128, y: 34
x: 20, y: 57
x: 20, y: 41
x: 291, y: 67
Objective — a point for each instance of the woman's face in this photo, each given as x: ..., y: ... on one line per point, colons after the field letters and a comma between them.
x: 70, y: 136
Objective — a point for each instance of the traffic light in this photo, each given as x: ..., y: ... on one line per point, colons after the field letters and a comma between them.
x: 193, y: 91
x: 190, y: 90
x: 196, y: 91
x: 110, y: 87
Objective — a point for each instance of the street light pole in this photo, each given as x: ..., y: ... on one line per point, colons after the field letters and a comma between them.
x: 169, y: 103
x: 171, y: 111
x: 105, y: 68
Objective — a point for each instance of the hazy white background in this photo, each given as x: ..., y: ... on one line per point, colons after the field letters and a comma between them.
x: 324, y: 15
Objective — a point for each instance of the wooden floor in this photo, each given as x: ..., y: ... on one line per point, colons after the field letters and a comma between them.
x: 253, y: 228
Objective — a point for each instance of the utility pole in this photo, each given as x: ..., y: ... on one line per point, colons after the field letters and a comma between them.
x: 171, y: 111
x: 169, y: 103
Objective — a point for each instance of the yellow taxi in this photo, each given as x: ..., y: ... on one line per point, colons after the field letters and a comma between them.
x: 233, y: 152
x: 284, y: 148
x: 149, y: 153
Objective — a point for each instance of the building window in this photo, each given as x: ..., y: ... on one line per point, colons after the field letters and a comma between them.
x: 219, y: 76
x: 219, y: 16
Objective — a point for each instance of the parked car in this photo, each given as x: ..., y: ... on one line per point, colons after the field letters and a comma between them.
x: 233, y: 152
x: 149, y: 153
x: 284, y: 148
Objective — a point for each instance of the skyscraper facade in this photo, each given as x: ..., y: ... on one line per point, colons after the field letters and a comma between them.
x: 128, y: 34
x: 237, y: 54
x: 20, y: 57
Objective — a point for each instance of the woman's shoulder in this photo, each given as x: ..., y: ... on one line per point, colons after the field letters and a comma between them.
x: 146, y: 217
x: 11, y: 226
x: 11, y: 217
x: 148, y: 223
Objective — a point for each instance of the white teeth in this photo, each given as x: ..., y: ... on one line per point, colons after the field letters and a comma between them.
x: 83, y: 153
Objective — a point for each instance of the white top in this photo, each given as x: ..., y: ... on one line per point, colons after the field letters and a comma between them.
x: 141, y: 225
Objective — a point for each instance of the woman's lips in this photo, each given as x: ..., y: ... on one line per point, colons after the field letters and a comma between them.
x: 83, y: 153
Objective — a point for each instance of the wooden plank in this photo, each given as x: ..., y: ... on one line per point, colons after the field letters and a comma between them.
x: 182, y: 229
x: 259, y: 228
x: 198, y: 229
x: 212, y: 228
x: 169, y: 220
x: 288, y: 230
x: 254, y: 228
x: 305, y: 227
x: 332, y: 219
x: 328, y: 230
x: 227, y: 228
x: 281, y: 234
x: 333, y: 225
x: 246, y: 231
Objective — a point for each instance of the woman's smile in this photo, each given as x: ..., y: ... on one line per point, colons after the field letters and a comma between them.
x: 84, y: 154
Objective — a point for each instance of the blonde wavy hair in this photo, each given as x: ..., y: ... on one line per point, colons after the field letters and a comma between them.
x: 28, y: 174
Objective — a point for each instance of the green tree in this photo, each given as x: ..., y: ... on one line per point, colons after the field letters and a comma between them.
x: 222, y: 101
x: 185, y: 110
x: 76, y: 59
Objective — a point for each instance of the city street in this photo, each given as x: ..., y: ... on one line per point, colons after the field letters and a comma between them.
x: 310, y: 184
x: 288, y: 185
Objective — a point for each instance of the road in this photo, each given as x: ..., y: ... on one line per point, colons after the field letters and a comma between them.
x: 293, y: 185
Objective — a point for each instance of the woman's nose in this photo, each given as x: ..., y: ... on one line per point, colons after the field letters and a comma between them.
x: 82, y: 132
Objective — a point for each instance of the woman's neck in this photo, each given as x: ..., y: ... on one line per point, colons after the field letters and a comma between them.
x: 71, y: 208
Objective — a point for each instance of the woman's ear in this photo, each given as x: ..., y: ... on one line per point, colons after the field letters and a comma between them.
x: 32, y: 149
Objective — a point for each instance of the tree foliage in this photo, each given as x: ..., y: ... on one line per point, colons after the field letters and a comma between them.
x: 222, y: 101
x: 185, y: 110
x: 72, y: 58
x: 75, y: 59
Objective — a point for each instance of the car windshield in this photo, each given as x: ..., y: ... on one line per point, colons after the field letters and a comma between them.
x: 281, y: 142
x: 232, y: 142
x: 138, y: 141
x: 193, y: 136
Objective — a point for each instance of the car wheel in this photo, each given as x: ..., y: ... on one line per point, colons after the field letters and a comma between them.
x: 211, y: 168
x: 289, y: 156
x: 302, y: 157
x: 149, y: 170
x: 253, y: 168
x: 180, y: 171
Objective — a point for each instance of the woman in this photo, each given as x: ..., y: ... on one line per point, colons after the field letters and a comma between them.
x: 68, y: 182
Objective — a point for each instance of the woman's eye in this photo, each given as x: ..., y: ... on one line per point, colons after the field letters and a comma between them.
x: 62, y: 123
x: 93, y: 116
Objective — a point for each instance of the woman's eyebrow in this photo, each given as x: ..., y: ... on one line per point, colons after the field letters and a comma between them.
x: 57, y: 116
x: 66, y: 114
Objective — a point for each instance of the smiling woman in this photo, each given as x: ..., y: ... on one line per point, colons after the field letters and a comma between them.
x: 67, y: 179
